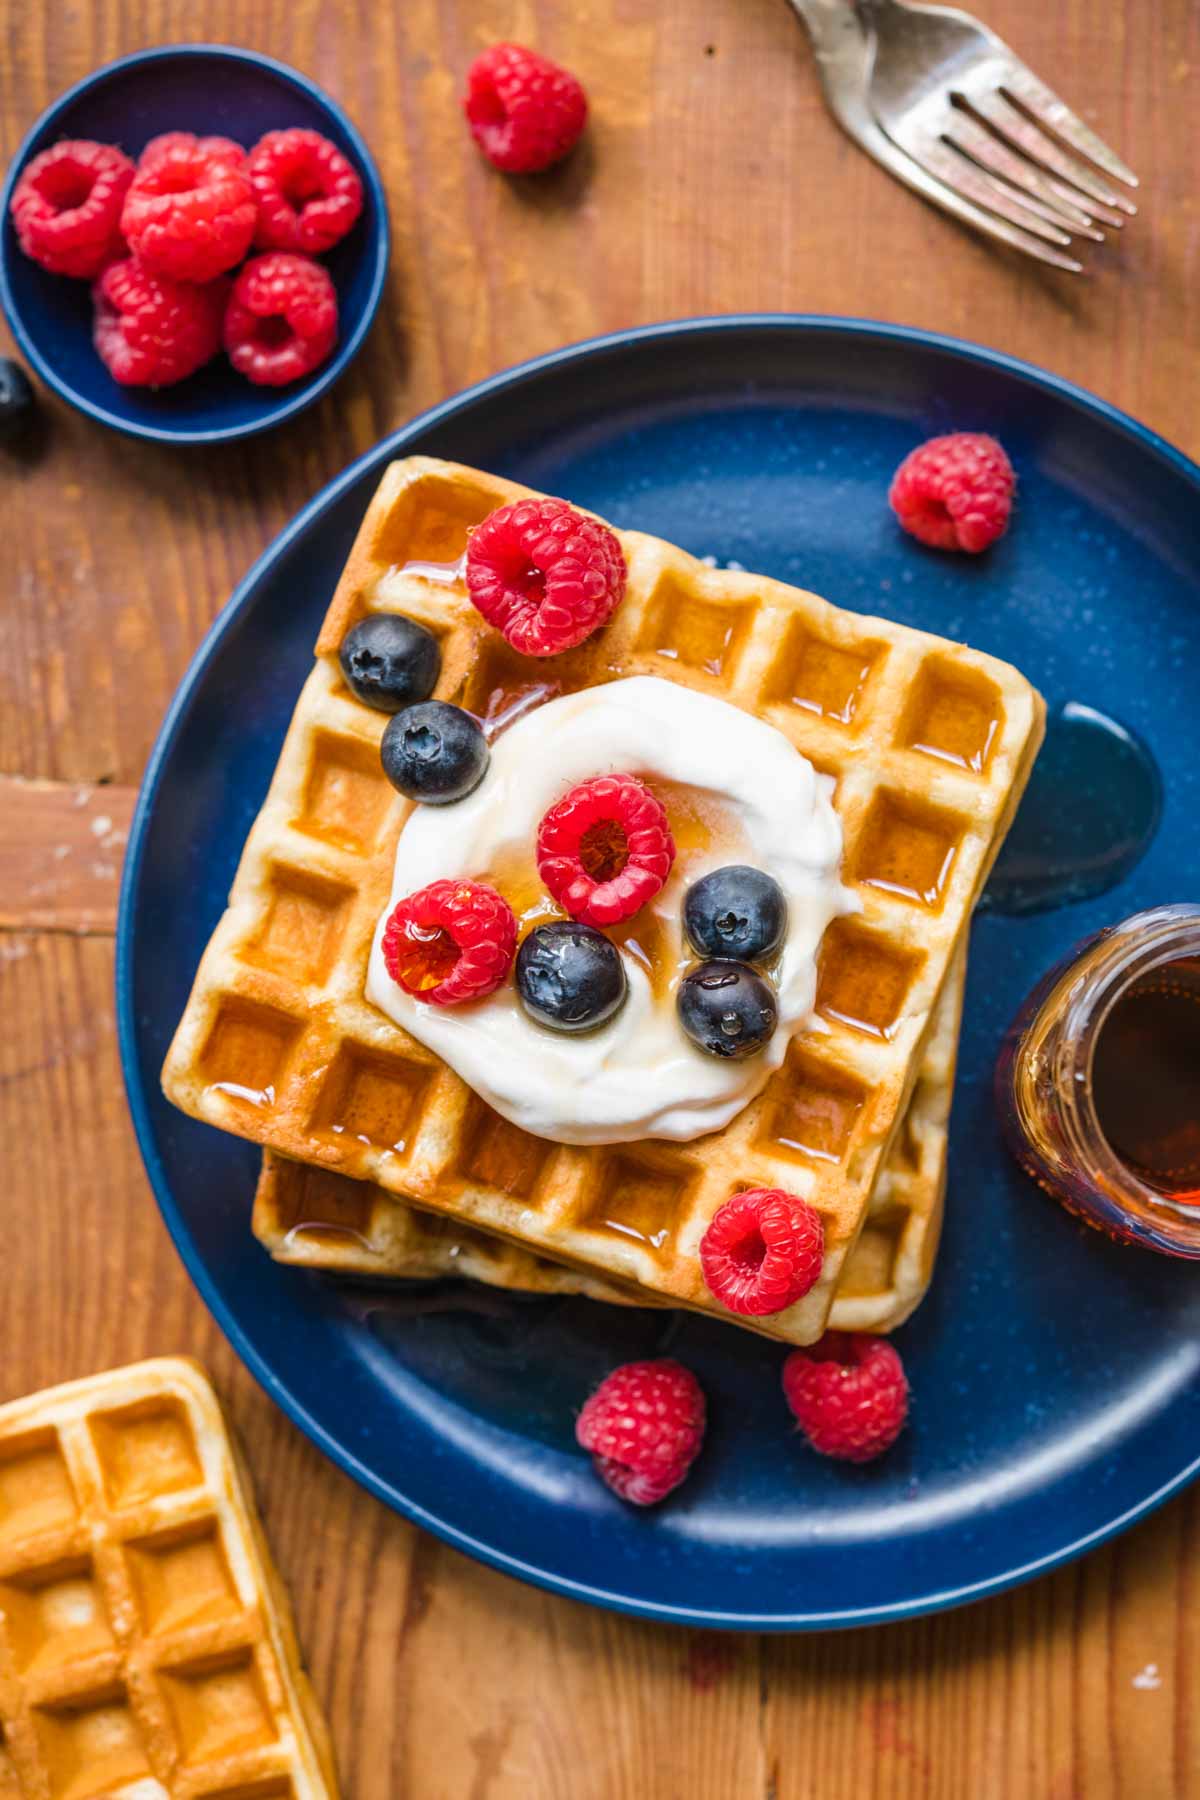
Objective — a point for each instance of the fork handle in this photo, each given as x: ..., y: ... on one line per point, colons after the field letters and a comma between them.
x: 836, y: 26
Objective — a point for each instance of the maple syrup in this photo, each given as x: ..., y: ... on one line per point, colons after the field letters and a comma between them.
x: 425, y: 956
x: 1098, y: 1083
x: 1146, y: 1079
x: 447, y: 574
x: 323, y: 1234
x: 514, y: 874
x: 1055, y: 854
x: 698, y: 822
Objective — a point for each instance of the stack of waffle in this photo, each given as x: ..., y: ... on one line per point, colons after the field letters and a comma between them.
x: 367, y: 1132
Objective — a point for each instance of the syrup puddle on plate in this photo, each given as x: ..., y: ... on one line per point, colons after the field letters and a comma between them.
x: 443, y: 1294
x: 1088, y: 816
x: 495, y: 1327
x: 505, y: 1328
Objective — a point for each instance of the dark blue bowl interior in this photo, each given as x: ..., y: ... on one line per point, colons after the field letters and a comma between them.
x: 1054, y: 1373
x: 208, y: 90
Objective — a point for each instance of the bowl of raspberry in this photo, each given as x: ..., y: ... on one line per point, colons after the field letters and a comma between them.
x: 193, y: 244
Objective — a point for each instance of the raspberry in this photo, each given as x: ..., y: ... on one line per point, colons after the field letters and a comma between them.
x: 644, y: 1426
x: 151, y: 331
x: 763, y: 1251
x: 849, y: 1394
x: 450, y: 941
x: 524, y: 111
x: 605, y: 849
x: 174, y: 143
x: 189, y: 212
x: 282, y: 319
x: 544, y: 575
x: 67, y: 206
x: 955, y: 492
x: 307, y: 193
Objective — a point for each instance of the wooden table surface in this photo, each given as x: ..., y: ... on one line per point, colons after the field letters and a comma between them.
x: 711, y: 182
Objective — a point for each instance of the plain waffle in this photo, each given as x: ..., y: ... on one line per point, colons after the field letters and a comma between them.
x: 930, y: 745
x: 146, y: 1644
x: 314, y: 1218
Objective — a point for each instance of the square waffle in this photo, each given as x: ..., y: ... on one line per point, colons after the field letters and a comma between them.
x: 314, y: 1218
x: 930, y: 745
x: 146, y: 1645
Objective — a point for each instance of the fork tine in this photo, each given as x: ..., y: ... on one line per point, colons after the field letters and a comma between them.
x: 1023, y: 85
x: 1040, y: 192
x: 913, y: 174
x: 1004, y: 117
x: 966, y: 178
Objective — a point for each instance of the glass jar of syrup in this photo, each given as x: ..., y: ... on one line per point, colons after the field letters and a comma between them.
x: 1098, y: 1083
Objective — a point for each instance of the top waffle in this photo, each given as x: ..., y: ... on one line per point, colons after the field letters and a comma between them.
x: 146, y: 1648
x: 930, y: 745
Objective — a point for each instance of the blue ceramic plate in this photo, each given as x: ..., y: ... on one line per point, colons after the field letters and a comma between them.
x: 1054, y: 1373
x: 213, y: 90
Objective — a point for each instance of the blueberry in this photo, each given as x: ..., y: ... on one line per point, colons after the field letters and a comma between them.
x: 736, y: 912
x: 434, y: 752
x: 16, y: 400
x: 569, y: 976
x: 726, y: 1008
x: 390, y: 661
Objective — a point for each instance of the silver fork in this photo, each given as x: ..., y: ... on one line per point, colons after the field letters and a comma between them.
x: 948, y: 109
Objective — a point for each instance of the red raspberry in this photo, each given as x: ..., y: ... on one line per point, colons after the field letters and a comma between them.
x: 282, y: 319
x: 307, y: 193
x: 544, y: 575
x: 189, y: 212
x: 605, y: 849
x: 151, y: 331
x: 763, y: 1251
x: 849, y: 1394
x: 955, y: 492
x: 450, y: 941
x: 644, y: 1426
x: 67, y: 206
x: 174, y: 143
x: 524, y: 111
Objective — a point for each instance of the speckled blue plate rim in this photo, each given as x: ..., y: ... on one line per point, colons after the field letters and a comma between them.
x: 399, y: 442
x: 292, y: 406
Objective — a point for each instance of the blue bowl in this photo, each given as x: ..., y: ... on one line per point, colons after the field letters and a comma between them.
x: 210, y: 89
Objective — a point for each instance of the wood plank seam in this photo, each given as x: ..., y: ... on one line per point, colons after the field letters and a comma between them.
x: 62, y: 846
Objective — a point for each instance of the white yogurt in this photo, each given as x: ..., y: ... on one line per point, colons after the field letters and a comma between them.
x: 638, y: 1076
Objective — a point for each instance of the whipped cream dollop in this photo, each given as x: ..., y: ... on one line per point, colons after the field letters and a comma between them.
x: 736, y: 791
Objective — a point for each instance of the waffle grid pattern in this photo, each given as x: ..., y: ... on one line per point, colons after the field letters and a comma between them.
x: 317, y: 1219
x: 929, y: 744
x: 146, y: 1649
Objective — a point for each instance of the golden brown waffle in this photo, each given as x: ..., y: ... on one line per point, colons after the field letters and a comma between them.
x: 317, y: 1219
x: 930, y: 745
x: 146, y: 1644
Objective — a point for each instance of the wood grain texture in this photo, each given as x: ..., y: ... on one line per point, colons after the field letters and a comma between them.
x: 61, y: 847
x: 712, y: 181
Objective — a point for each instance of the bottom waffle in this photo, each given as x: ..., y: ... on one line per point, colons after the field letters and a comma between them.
x: 146, y: 1645
x: 314, y: 1218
